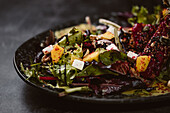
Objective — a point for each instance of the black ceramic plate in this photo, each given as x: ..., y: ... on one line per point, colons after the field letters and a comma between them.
x: 31, y: 47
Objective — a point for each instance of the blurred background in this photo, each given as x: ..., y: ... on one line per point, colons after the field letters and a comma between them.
x: 29, y: 17
x: 22, y: 19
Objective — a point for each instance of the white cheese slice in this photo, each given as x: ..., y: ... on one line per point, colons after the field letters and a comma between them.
x: 47, y: 49
x: 118, y: 32
x: 103, y: 41
x: 132, y: 55
x: 78, y: 64
x: 112, y: 47
x: 111, y: 29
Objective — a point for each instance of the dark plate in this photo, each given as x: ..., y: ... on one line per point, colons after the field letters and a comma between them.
x: 31, y: 47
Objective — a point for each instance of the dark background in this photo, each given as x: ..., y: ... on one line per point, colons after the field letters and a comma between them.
x: 22, y: 19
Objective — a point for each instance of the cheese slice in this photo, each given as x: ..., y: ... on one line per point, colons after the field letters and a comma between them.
x: 78, y: 64
x: 56, y: 53
x: 112, y: 47
x: 142, y: 63
x: 73, y: 57
x: 132, y: 55
x: 47, y: 49
x: 111, y: 29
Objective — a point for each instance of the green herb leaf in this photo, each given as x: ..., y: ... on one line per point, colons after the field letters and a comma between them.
x: 93, y: 70
x: 59, y: 72
x: 75, y: 37
x: 141, y: 15
x: 135, y: 10
x: 110, y: 57
x: 79, y: 51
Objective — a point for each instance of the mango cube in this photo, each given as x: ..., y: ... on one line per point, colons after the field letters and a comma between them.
x: 92, y: 56
x: 142, y: 63
x: 56, y: 53
x: 108, y: 35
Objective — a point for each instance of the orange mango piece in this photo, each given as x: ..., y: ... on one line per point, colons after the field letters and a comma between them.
x: 56, y: 53
x: 142, y: 63
x: 108, y: 35
x: 92, y: 56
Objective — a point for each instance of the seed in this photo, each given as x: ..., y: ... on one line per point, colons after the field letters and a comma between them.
x: 152, y: 44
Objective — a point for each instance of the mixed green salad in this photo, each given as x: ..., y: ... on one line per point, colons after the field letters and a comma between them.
x: 107, y: 59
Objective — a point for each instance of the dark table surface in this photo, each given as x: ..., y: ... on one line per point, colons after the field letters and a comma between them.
x: 22, y: 19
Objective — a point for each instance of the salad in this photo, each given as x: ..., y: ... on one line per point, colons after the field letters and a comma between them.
x: 107, y: 59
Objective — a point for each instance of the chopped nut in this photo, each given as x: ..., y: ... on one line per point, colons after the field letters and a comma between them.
x: 168, y: 84
x: 93, y: 37
x: 87, y: 52
x: 165, y: 37
x: 152, y: 44
x: 94, y: 43
x: 46, y: 58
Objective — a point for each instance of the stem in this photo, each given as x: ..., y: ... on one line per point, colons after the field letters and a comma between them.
x: 71, y: 90
x: 80, y: 84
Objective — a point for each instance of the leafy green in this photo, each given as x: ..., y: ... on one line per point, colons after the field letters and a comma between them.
x: 100, y: 50
x: 74, y: 37
x: 110, y: 57
x: 92, y: 70
x: 37, y: 64
x: 26, y: 71
x: 141, y: 92
x: 56, y: 70
x: 60, y: 72
x: 79, y: 51
x: 32, y: 73
x: 74, y: 31
x: 65, y: 58
x: 141, y: 15
x: 135, y: 10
